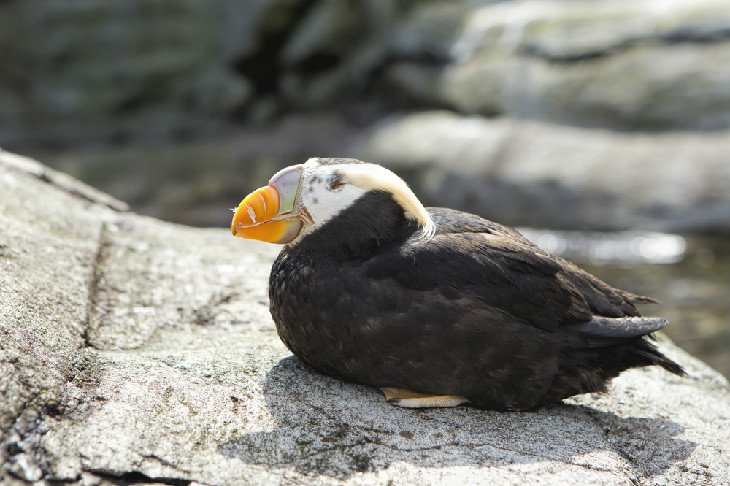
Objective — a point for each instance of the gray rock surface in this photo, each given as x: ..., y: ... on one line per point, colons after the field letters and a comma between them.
x: 526, y: 173
x: 647, y: 64
x: 138, y: 351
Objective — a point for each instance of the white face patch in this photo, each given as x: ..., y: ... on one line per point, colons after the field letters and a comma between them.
x: 323, y: 194
x: 327, y: 189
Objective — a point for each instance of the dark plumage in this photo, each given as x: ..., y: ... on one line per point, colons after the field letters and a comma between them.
x: 476, y: 311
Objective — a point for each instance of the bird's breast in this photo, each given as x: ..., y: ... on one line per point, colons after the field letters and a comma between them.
x: 312, y: 304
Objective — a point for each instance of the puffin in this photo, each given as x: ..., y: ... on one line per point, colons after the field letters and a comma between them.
x: 434, y: 306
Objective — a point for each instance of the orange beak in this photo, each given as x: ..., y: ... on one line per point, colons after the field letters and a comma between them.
x: 268, y: 213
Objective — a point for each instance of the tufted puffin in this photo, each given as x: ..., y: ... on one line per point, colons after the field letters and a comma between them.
x: 436, y: 307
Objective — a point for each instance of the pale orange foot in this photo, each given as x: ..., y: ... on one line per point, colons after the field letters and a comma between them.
x: 409, y: 399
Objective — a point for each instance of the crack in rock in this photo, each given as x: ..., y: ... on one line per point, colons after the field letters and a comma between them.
x: 678, y: 37
x: 137, y: 477
x: 97, y: 265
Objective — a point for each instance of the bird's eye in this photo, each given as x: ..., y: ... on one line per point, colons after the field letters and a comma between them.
x: 336, y: 183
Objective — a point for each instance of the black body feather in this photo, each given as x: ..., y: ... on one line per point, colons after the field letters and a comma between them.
x: 476, y: 311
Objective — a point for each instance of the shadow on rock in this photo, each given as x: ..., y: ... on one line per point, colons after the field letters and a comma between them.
x: 329, y: 427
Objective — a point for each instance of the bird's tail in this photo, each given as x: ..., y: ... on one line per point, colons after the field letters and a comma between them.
x: 624, y: 342
x: 650, y: 355
x: 589, y: 367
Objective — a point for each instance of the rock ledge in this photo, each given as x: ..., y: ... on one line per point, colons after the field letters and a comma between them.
x: 136, y: 351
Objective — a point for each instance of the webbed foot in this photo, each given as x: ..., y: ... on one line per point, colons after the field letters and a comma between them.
x: 409, y: 399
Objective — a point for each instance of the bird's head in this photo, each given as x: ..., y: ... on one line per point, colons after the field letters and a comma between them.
x: 302, y: 198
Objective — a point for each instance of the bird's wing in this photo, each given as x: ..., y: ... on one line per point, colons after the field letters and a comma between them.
x: 493, y: 267
x: 489, y: 271
x: 602, y: 299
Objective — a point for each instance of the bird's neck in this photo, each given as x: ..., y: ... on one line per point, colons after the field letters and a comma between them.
x: 373, y: 221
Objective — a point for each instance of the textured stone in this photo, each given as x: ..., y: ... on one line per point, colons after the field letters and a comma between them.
x: 139, y: 351
x: 47, y: 249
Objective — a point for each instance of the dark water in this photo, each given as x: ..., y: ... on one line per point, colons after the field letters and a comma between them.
x: 689, y: 276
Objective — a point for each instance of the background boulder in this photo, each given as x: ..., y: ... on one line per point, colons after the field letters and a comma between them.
x: 540, y: 175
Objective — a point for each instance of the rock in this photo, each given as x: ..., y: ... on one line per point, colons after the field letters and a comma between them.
x: 531, y: 174
x: 646, y: 87
x: 90, y: 72
x: 333, y: 50
x: 147, y: 70
x: 646, y: 65
x: 150, y: 71
x: 418, y: 50
x: 44, y: 290
x: 139, y: 351
x: 429, y: 30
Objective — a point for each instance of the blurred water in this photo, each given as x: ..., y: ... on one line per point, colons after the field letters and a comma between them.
x: 689, y: 276
x: 610, y: 248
